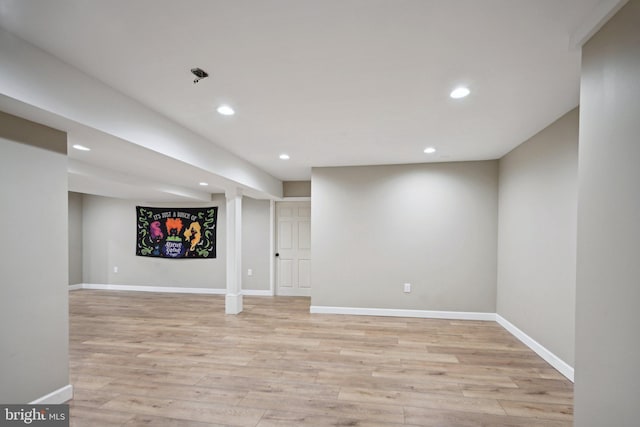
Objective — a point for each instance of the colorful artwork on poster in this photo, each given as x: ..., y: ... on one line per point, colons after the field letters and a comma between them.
x: 176, y: 232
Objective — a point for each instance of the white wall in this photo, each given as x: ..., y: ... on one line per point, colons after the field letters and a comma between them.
x: 607, y: 386
x: 109, y: 240
x: 432, y: 225
x: 33, y: 260
x: 537, y: 236
x: 75, y: 238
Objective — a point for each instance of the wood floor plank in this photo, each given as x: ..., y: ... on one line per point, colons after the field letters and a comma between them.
x: 328, y: 408
x: 84, y: 416
x: 186, y: 410
x: 151, y: 421
x: 424, y: 400
x: 136, y: 387
x: 429, y: 417
x: 273, y: 418
x: 170, y: 360
x: 531, y: 394
x: 90, y: 398
x: 544, y: 410
x: 443, y: 375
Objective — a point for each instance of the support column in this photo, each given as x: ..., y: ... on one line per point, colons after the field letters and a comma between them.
x: 233, y: 299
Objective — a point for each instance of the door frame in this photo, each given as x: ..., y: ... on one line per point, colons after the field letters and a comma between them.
x: 273, y: 279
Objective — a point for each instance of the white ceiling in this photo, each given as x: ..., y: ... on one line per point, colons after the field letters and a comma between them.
x: 332, y: 82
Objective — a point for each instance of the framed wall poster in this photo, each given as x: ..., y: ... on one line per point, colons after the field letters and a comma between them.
x: 176, y: 232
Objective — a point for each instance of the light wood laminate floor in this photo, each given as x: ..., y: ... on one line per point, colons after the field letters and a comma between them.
x: 153, y: 359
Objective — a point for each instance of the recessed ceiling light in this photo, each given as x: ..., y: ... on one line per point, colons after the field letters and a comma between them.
x: 204, y: 184
x: 225, y: 110
x: 429, y: 150
x: 81, y: 147
x: 459, y: 92
x: 284, y: 156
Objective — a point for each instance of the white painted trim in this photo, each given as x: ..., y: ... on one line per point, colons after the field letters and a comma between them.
x: 61, y: 395
x: 559, y: 364
x: 164, y: 289
x: 167, y: 289
x: 425, y: 314
x: 257, y: 292
x: 233, y: 299
x: 591, y: 24
x: 272, y: 246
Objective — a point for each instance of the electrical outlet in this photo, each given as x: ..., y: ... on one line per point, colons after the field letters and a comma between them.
x: 115, y: 269
x: 407, y: 287
x: 249, y: 272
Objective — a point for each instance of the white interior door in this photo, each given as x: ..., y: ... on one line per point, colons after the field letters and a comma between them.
x: 293, y: 248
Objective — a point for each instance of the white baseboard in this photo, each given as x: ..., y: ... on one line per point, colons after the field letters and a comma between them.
x: 256, y: 292
x: 425, y: 314
x: 61, y: 395
x: 165, y: 289
x: 559, y: 364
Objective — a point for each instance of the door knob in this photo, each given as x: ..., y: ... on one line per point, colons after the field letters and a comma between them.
x: 277, y: 254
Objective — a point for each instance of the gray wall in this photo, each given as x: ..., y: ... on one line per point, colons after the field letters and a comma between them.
x: 537, y: 236
x: 75, y: 238
x: 296, y: 188
x: 109, y: 241
x: 432, y: 225
x: 256, y: 249
x: 608, y: 277
x: 33, y: 260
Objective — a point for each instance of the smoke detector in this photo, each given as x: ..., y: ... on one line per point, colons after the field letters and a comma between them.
x: 199, y: 73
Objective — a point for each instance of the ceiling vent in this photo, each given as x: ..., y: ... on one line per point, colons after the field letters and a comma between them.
x: 199, y: 73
